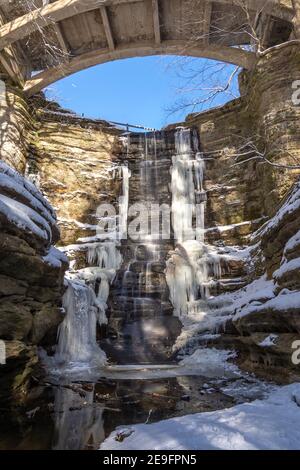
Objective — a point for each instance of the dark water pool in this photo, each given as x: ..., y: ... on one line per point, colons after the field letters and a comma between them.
x: 81, y: 415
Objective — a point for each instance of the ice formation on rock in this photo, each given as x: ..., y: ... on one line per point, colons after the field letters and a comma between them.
x: 192, y: 264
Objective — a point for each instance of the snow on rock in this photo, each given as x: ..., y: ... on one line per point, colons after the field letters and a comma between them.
x: 11, y: 185
x: 55, y: 258
x: 24, y: 187
x: 226, y: 228
x: 213, y: 359
x: 24, y: 217
x: 291, y: 205
x: 269, y: 424
x: 64, y: 221
x: 286, y: 267
x: 253, y: 294
x: 292, y: 243
x: 23, y: 209
x: 269, y: 341
x: 286, y: 301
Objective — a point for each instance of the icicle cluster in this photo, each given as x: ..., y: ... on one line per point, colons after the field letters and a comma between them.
x: 105, y: 255
x: 191, y: 264
x: 188, y: 195
x: 77, y: 333
x: 124, y: 202
x: 85, y: 300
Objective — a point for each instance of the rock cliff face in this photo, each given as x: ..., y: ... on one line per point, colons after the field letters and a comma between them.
x: 31, y: 274
x: 31, y: 270
x: 75, y: 161
x: 254, y: 206
x: 267, y: 323
x: 16, y: 126
x: 266, y: 116
x: 251, y: 218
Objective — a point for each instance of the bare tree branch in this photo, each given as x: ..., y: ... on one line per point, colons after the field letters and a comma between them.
x: 253, y: 153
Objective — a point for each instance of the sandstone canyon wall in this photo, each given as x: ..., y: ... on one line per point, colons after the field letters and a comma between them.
x: 242, y: 198
x: 31, y: 269
x: 77, y: 164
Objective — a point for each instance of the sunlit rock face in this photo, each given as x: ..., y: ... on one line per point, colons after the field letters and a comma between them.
x: 16, y: 124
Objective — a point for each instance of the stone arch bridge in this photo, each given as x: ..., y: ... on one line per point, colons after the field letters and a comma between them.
x: 42, y: 41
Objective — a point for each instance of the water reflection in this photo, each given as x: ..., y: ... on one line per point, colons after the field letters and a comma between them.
x: 74, y: 416
x: 78, y: 422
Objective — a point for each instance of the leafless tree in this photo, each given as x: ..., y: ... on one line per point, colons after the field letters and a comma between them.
x: 249, y: 151
x: 206, y: 82
x: 47, y: 42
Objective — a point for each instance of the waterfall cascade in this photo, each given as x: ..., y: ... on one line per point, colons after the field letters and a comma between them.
x: 142, y: 328
x: 85, y: 301
x: 192, y: 264
x: 136, y: 280
x: 188, y: 195
x: 124, y: 173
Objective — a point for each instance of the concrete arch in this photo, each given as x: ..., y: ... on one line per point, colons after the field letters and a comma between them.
x: 226, y: 54
x: 91, y: 32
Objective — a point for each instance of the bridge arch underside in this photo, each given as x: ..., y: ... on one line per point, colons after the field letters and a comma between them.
x: 46, y: 43
x: 84, y: 61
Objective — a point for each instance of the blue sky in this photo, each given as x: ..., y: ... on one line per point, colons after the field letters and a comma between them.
x: 140, y: 90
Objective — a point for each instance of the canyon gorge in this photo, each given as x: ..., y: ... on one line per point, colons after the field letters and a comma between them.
x: 91, y: 315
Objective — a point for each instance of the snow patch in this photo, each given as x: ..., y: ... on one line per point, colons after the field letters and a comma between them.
x: 55, y: 258
x: 268, y: 424
x: 269, y: 341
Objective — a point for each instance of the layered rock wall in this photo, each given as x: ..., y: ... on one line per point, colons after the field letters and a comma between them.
x: 16, y: 126
x: 266, y: 116
x: 75, y: 163
x: 31, y: 270
x: 31, y: 278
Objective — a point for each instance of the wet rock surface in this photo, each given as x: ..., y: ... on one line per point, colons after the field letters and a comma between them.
x: 141, y: 326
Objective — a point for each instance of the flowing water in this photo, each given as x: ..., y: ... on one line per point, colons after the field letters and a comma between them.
x: 142, y: 327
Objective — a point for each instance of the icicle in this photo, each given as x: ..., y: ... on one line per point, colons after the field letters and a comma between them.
x: 191, y: 265
x: 188, y: 195
x: 189, y: 273
x: 77, y: 333
x: 105, y: 255
x: 124, y: 202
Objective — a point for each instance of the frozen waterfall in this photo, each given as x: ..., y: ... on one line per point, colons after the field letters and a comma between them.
x: 124, y: 202
x: 85, y: 301
x: 188, y: 195
x: 77, y: 333
x: 191, y: 264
